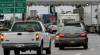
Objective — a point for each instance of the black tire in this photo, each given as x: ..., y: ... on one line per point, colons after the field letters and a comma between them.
x: 61, y: 48
x: 56, y: 45
x: 16, y: 52
x: 6, y: 51
x: 85, y: 46
x: 48, y: 51
x: 39, y: 51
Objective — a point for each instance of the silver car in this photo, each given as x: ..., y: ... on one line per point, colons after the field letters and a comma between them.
x: 26, y: 35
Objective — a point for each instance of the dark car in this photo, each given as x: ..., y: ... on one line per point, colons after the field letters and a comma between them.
x: 71, y: 36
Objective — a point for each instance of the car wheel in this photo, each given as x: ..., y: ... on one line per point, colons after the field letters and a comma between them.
x: 56, y: 45
x: 39, y: 51
x: 61, y: 48
x: 16, y: 52
x: 85, y: 46
x: 48, y: 51
x: 6, y: 51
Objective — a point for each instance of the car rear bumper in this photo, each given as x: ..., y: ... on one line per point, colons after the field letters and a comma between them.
x: 21, y: 46
x: 71, y: 42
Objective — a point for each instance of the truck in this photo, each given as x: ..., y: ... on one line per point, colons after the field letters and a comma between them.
x: 64, y: 18
x: 26, y: 35
x: 90, y: 18
x: 61, y: 20
x: 49, y: 18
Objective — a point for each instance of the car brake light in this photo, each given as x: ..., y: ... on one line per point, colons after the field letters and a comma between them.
x: 1, y: 37
x: 82, y: 40
x: 83, y: 34
x: 60, y: 35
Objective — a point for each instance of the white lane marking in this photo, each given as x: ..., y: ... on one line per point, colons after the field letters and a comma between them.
x: 79, y: 53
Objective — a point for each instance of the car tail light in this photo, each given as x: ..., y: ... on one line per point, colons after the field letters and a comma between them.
x: 37, y: 36
x: 83, y: 34
x: 60, y: 35
x: 82, y: 40
x: 1, y: 37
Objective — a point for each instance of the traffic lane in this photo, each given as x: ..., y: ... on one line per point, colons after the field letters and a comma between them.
x: 94, y: 45
x: 21, y: 53
x: 94, y: 48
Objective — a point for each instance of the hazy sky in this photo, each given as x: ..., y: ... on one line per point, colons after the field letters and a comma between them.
x: 42, y: 10
x: 45, y: 10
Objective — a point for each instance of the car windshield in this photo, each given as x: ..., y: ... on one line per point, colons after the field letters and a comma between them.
x: 24, y: 26
x: 69, y: 29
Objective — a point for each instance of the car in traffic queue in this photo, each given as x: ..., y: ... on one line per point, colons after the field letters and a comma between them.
x: 52, y: 28
x: 26, y: 35
x: 71, y: 36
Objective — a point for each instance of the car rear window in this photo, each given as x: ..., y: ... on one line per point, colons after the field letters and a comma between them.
x: 22, y: 26
x: 69, y: 29
x: 72, y: 24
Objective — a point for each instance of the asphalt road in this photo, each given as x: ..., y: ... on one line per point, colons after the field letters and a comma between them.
x: 94, y: 48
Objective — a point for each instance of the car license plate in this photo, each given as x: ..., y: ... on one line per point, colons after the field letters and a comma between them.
x: 20, y: 45
x: 72, y: 41
x: 72, y: 34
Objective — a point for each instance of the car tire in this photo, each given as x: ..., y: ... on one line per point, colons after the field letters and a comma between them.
x: 16, y: 52
x: 6, y: 51
x: 39, y: 51
x: 48, y: 51
x: 61, y: 48
x: 56, y: 45
x: 85, y: 46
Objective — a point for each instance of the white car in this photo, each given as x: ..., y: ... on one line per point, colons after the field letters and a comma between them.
x: 26, y: 35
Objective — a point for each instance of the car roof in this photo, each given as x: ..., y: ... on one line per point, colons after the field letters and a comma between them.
x: 69, y: 28
x: 27, y: 21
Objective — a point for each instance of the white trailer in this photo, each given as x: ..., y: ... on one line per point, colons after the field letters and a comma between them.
x: 62, y: 18
x: 90, y: 20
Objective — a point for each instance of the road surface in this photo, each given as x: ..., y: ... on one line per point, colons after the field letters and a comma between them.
x: 94, y: 48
